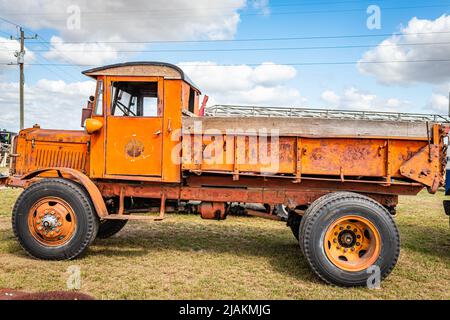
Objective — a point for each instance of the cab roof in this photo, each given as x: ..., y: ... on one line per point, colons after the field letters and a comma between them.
x: 142, y: 68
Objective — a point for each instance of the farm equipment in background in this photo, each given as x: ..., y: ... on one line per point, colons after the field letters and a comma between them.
x: 5, y: 147
x: 335, y: 176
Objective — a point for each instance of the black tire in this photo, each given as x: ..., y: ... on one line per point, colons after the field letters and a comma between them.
x: 312, y: 208
x: 329, y: 209
x: 87, y: 221
x: 108, y: 228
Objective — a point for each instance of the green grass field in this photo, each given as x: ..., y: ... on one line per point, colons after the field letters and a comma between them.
x: 185, y: 257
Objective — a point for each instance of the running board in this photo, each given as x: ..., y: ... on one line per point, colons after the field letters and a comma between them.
x: 122, y: 216
x: 133, y: 217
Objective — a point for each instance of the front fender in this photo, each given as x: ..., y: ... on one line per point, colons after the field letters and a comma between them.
x: 85, y: 181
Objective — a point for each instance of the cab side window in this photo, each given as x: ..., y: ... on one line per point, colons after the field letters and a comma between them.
x: 98, y: 108
x: 135, y: 99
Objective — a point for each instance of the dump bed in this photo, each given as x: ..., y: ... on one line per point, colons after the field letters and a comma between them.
x: 372, y: 151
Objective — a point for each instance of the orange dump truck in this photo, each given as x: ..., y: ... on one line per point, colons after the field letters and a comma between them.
x: 146, y: 147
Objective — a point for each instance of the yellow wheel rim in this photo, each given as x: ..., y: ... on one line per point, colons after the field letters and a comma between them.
x: 52, y: 221
x: 352, y: 243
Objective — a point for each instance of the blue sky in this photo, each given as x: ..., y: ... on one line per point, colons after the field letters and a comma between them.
x: 327, y: 86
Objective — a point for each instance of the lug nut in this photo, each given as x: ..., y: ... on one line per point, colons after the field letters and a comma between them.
x: 345, y: 250
x: 335, y: 240
x: 353, y: 248
x: 358, y: 236
x: 357, y: 243
x: 355, y: 230
x: 348, y: 227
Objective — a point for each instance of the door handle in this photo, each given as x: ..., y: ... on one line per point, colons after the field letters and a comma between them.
x: 169, y: 125
x: 157, y: 133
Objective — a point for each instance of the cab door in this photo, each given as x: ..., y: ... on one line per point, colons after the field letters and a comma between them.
x: 134, y: 129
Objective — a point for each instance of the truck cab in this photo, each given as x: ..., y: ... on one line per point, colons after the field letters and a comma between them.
x: 137, y: 107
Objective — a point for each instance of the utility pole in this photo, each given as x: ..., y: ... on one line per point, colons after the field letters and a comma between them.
x: 20, y: 55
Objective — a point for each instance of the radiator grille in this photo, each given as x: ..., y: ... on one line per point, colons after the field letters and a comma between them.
x: 46, y: 157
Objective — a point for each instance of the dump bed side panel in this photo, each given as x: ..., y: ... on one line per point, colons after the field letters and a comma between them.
x: 338, y: 149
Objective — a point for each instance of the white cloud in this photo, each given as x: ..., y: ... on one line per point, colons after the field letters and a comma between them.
x: 404, y: 47
x: 331, y: 97
x: 116, y: 21
x: 439, y: 99
x: 52, y: 104
x: 83, y: 53
x: 355, y: 99
x: 7, y: 50
x: 265, y: 84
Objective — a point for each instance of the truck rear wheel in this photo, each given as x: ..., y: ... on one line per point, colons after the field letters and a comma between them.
x: 347, y: 237
x: 108, y: 228
x: 54, y: 219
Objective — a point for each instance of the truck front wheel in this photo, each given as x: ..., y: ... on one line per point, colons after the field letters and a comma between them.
x: 54, y: 219
x: 350, y: 240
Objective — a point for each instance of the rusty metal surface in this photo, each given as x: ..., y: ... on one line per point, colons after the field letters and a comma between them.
x: 262, y: 215
x: 270, y: 195
x: 359, y: 160
x: 212, y: 210
x: 91, y: 188
x: 131, y: 217
x: 38, y: 149
x: 280, y: 183
x: 424, y: 167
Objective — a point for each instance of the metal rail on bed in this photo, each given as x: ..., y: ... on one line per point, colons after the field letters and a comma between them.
x: 259, y: 111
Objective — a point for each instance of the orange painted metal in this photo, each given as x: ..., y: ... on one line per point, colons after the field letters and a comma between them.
x: 425, y: 167
x: 52, y: 221
x: 91, y: 188
x: 134, y: 144
x: 352, y: 243
x: 38, y: 148
x: 276, y: 194
x: 212, y: 210
x: 340, y: 157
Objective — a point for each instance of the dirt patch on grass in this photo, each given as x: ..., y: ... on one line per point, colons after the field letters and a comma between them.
x: 9, y: 294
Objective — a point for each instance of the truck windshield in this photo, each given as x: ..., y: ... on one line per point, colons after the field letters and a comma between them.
x: 135, y: 99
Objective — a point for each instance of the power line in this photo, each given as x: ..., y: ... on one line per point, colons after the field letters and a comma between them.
x: 256, y: 49
x: 349, y: 36
x: 199, y: 16
x: 278, y: 5
x: 259, y: 64
x: 10, y: 22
